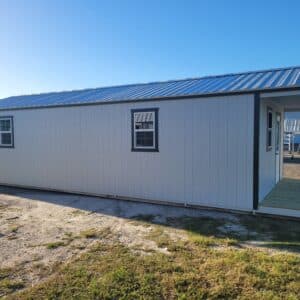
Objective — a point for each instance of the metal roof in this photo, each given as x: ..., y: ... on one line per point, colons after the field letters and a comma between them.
x: 209, y: 85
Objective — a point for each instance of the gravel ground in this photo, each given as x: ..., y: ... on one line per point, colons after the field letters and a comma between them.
x: 291, y: 170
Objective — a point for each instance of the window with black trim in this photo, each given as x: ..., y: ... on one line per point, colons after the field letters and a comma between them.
x: 144, y: 129
x: 6, y: 132
x: 269, y: 129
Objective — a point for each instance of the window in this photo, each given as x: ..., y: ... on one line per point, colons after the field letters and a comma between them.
x: 6, y: 132
x: 269, y: 129
x: 144, y: 129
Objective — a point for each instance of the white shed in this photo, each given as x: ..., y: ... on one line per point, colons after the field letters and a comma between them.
x: 206, y: 142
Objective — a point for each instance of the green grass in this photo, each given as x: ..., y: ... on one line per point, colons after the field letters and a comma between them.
x: 4, y: 273
x: 208, y: 264
x: 67, y: 239
x: 188, y: 272
x: 206, y: 231
x: 275, y: 233
x: 93, y: 233
x: 89, y: 233
x: 7, y: 283
x: 9, y: 286
x: 271, y: 233
x: 158, y: 235
x: 55, y: 245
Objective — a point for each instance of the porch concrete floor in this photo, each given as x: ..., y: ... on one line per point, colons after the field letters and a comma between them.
x: 286, y: 194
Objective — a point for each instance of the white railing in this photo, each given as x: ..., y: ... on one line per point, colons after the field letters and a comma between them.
x: 292, y: 126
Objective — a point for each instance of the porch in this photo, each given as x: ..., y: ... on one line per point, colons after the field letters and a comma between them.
x: 286, y: 194
x: 284, y: 199
x: 277, y: 163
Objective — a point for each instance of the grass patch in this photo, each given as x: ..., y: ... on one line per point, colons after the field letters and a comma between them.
x: 275, y: 233
x: 7, y: 283
x: 78, y: 212
x: 204, y: 266
x: 206, y: 231
x: 69, y: 237
x: 89, y: 233
x: 9, y: 286
x: 158, y: 235
x: 272, y: 233
x: 112, y: 271
x: 14, y: 228
x: 92, y: 233
x: 55, y: 245
x: 4, y: 273
x: 145, y: 220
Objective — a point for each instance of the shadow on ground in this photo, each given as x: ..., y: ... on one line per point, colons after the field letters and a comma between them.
x: 290, y: 160
x: 244, y: 229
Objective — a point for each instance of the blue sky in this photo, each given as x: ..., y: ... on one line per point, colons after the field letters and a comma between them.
x: 62, y: 45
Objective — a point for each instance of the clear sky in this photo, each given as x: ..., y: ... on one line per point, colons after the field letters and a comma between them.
x: 70, y: 44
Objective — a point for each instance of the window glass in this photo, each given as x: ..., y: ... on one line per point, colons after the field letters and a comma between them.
x: 6, y: 132
x: 270, y: 138
x: 270, y: 125
x: 4, y: 125
x: 144, y: 125
x: 6, y: 138
x: 269, y: 129
x: 144, y: 131
x: 144, y: 139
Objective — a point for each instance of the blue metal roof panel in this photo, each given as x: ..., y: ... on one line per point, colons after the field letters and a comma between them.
x: 241, y: 82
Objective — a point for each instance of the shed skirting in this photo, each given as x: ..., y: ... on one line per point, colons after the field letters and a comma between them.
x: 132, y: 199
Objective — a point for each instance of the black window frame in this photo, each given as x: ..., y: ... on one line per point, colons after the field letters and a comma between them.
x: 156, y: 131
x: 11, y: 118
x: 269, y: 142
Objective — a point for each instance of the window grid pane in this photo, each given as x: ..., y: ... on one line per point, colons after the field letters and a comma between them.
x: 6, y: 139
x: 5, y: 125
x: 145, y: 139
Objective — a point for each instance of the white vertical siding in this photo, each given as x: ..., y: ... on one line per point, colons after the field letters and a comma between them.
x: 205, y: 151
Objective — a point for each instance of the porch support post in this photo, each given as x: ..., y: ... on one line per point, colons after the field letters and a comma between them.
x: 256, y: 135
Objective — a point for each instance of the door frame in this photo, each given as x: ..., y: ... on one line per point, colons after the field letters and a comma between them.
x: 278, y: 146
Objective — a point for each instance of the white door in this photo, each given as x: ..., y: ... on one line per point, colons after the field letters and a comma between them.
x: 278, y: 146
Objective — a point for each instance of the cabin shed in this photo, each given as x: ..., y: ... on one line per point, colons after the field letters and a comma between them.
x: 213, y: 141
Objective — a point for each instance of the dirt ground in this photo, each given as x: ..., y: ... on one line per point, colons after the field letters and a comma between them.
x: 291, y: 170
x: 291, y: 167
x: 39, y: 230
